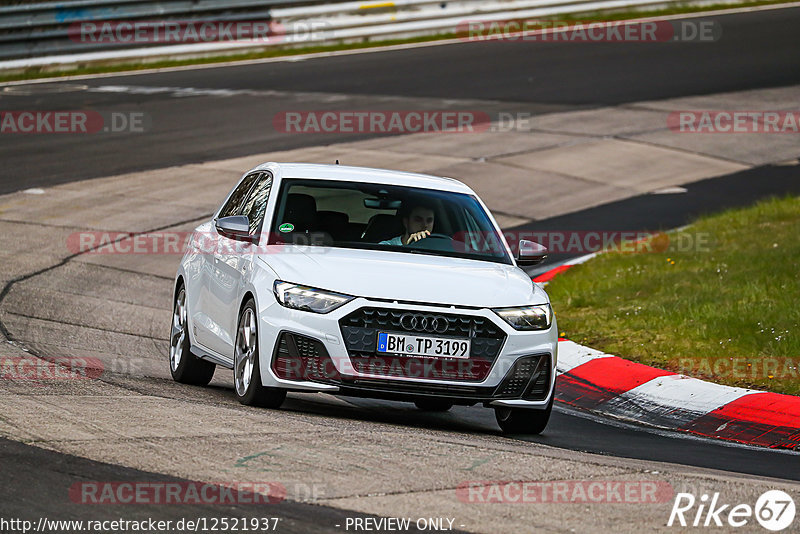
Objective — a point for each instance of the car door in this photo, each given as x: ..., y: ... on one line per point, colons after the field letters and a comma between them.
x: 232, y: 263
x: 207, y: 330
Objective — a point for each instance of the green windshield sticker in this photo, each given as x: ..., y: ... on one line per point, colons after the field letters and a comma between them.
x: 286, y: 227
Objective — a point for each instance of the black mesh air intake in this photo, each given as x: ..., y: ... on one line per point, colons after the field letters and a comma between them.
x: 302, y: 358
x: 529, y: 378
x: 540, y: 386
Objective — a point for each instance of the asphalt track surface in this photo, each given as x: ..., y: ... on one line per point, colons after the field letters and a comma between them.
x: 571, y: 429
x: 46, y: 484
x: 756, y: 50
x: 532, y: 77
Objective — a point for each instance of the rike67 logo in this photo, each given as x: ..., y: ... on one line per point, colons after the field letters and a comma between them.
x: 774, y: 510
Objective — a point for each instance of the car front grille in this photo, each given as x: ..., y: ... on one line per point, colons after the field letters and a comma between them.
x: 360, y: 332
x: 457, y: 325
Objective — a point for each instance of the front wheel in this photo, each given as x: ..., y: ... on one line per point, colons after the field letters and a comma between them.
x: 184, y: 366
x: 523, y: 420
x: 246, y: 367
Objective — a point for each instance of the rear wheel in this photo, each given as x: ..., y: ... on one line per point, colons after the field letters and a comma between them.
x: 246, y: 367
x: 184, y: 366
x: 433, y: 405
x: 523, y: 420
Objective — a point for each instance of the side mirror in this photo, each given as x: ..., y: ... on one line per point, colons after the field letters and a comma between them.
x: 530, y: 253
x: 235, y: 227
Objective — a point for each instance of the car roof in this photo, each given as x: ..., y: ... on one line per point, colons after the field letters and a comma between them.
x: 347, y: 173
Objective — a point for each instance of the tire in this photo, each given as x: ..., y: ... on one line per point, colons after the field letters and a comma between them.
x: 433, y: 405
x: 523, y: 420
x: 184, y: 366
x: 246, y: 366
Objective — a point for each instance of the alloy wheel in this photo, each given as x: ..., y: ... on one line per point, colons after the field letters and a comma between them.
x: 245, y: 352
x: 178, y: 336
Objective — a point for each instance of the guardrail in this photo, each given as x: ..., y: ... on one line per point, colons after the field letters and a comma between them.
x: 48, y: 34
x: 29, y: 30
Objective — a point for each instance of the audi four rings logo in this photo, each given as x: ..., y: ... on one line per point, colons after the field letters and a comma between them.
x: 428, y: 323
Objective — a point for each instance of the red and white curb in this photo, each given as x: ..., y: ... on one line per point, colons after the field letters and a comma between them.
x: 546, y: 276
x: 605, y: 384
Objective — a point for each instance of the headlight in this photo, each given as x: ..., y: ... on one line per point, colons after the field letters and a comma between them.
x: 308, y: 298
x: 528, y: 317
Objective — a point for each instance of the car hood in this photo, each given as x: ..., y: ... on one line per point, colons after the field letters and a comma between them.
x: 404, y: 276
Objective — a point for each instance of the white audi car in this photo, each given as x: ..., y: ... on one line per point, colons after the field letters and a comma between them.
x: 365, y: 282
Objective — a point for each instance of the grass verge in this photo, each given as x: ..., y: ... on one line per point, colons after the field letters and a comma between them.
x: 51, y: 72
x: 720, y: 302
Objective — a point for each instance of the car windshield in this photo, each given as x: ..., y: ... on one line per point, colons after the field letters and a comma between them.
x: 385, y: 217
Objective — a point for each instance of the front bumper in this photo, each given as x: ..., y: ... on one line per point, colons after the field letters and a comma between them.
x: 335, y: 353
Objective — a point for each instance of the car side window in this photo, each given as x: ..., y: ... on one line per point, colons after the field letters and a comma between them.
x: 235, y: 204
x: 256, y: 204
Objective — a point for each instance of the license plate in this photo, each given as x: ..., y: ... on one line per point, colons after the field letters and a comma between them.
x: 431, y: 347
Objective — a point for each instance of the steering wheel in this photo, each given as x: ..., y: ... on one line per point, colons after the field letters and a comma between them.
x: 434, y: 242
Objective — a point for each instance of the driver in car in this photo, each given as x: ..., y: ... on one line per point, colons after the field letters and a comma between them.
x: 418, y: 223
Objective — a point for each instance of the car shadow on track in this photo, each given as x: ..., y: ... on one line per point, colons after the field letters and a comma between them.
x: 474, y: 420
